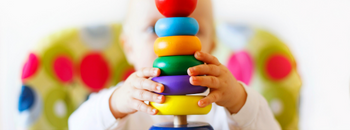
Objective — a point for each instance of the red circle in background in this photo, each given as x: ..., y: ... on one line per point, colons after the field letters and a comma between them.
x: 176, y: 8
x: 63, y: 68
x: 94, y: 71
x: 30, y: 67
x: 278, y: 66
x: 241, y: 66
x: 127, y: 73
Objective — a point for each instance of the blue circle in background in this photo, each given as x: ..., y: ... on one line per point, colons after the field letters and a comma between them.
x: 26, y: 99
x: 176, y: 26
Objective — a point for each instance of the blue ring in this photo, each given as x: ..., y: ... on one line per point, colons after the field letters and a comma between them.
x: 176, y: 26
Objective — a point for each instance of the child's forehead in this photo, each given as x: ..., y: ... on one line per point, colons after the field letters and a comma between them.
x: 143, y: 9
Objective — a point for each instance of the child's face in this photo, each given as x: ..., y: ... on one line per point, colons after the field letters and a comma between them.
x: 138, y: 35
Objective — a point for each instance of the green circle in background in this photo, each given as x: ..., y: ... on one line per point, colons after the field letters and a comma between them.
x: 266, y: 53
x: 119, y: 70
x: 49, y: 56
x: 175, y: 65
x: 57, y: 107
x: 282, y: 103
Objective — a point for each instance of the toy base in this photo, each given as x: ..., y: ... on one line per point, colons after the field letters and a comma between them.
x: 189, y: 126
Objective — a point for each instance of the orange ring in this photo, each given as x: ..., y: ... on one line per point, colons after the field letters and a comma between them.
x: 177, y: 45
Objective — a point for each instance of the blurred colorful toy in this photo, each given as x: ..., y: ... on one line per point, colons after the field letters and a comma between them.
x: 264, y: 62
x: 64, y: 69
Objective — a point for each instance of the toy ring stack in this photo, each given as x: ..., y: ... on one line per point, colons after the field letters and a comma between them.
x: 175, y: 47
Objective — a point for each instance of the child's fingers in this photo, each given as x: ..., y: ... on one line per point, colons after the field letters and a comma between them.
x: 211, y: 98
x: 206, y: 81
x: 148, y: 72
x: 144, y: 95
x: 204, y: 69
x: 147, y: 84
x: 141, y: 106
x: 207, y: 58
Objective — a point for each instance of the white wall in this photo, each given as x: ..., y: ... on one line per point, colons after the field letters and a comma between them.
x: 317, y: 32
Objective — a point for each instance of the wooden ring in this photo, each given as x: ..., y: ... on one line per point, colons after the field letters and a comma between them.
x: 181, y: 105
x: 177, y: 45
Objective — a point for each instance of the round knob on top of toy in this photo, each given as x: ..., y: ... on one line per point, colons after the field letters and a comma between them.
x: 176, y: 8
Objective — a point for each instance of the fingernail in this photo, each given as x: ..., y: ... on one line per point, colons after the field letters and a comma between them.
x: 201, y: 103
x: 154, y: 111
x: 155, y: 71
x: 194, y: 78
x: 198, y: 54
x: 190, y: 70
x: 160, y: 97
x: 158, y: 88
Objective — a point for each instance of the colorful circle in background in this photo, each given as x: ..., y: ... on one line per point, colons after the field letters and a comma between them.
x: 275, y: 63
x: 127, y: 73
x: 29, y: 107
x: 241, y: 66
x: 26, y: 99
x: 94, y: 71
x: 282, y: 104
x: 31, y: 66
x: 58, y: 63
x: 122, y: 70
x: 98, y: 37
x: 58, y: 107
x: 234, y: 36
x: 63, y: 68
x: 278, y: 66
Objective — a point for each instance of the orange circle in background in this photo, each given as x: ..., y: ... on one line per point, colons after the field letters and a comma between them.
x: 177, y: 45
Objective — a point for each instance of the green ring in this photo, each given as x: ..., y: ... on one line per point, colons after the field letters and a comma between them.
x: 58, y: 93
x: 175, y: 65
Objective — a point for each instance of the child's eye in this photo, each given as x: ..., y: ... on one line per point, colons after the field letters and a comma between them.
x: 150, y: 29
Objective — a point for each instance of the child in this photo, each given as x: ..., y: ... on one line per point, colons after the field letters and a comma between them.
x: 122, y: 107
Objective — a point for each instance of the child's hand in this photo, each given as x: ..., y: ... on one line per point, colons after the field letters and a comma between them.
x: 129, y: 97
x: 224, y: 88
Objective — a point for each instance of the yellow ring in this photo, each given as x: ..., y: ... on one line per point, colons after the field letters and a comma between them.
x: 177, y: 45
x: 181, y: 105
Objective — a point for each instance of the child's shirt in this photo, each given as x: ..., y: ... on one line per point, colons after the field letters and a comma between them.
x: 94, y: 114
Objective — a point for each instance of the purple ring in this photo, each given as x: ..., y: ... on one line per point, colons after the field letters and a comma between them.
x: 178, y: 85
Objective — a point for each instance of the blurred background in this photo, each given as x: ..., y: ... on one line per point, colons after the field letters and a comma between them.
x: 316, y: 32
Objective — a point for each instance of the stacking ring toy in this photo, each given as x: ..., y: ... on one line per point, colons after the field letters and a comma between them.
x: 175, y: 65
x: 189, y: 126
x: 177, y: 45
x: 176, y: 8
x: 181, y: 105
x: 176, y: 26
x: 178, y: 85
